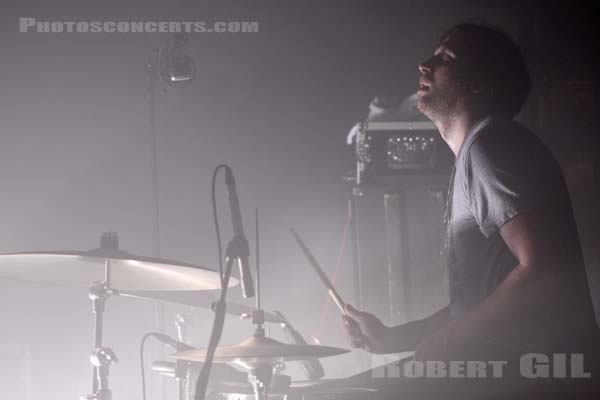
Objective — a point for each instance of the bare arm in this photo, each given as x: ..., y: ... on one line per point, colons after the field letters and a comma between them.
x: 366, y: 331
x: 407, y: 336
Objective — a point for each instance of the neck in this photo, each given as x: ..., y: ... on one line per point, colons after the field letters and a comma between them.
x: 454, y: 128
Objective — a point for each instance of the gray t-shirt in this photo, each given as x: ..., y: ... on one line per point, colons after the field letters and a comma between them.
x: 502, y: 170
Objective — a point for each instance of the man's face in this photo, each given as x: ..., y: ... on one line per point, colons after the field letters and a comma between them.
x: 439, y: 87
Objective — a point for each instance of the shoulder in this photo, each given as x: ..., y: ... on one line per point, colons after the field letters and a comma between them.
x: 502, y: 143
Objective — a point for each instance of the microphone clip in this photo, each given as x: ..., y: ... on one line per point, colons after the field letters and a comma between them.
x: 238, y: 251
x: 237, y: 248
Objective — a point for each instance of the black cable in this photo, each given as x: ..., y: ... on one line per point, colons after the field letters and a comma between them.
x: 169, y: 341
x: 220, y: 307
x: 219, y: 321
x: 216, y: 218
x: 143, y: 342
x: 215, y: 337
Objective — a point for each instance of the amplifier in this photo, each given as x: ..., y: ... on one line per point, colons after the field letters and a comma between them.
x: 401, y: 152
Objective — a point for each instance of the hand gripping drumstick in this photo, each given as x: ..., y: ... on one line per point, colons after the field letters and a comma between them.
x: 337, y: 299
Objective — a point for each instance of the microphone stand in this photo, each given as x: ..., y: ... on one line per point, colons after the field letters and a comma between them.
x: 260, y: 374
x: 217, y: 330
x: 153, y: 78
x: 153, y: 73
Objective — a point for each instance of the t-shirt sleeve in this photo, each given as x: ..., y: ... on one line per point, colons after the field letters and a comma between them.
x: 501, y: 183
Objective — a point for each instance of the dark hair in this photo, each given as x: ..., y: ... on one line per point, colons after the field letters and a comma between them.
x: 494, y: 62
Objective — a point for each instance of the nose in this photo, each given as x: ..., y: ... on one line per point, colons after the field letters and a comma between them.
x: 427, y: 66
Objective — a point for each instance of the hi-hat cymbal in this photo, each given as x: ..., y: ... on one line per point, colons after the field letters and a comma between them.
x: 127, y: 271
x: 260, y: 348
x: 326, y: 387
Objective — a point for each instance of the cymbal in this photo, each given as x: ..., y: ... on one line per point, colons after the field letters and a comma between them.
x: 260, y: 348
x: 198, y: 299
x: 221, y: 372
x: 127, y: 271
x: 326, y: 388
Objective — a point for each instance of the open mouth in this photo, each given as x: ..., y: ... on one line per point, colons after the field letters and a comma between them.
x: 423, y: 86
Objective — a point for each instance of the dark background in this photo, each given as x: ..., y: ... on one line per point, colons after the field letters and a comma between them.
x: 276, y: 105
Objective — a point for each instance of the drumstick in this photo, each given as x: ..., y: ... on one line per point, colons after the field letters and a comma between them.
x: 337, y: 299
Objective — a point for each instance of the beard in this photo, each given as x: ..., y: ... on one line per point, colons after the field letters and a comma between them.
x: 440, y: 103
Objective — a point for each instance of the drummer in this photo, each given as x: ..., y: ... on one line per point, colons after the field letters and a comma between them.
x: 517, y: 278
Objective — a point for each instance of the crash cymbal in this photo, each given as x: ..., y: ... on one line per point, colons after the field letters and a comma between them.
x: 260, y: 348
x: 127, y: 271
x: 198, y: 299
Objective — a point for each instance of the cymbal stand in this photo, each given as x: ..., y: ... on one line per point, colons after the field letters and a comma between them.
x: 101, y: 357
x: 261, y: 373
x: 258, y: 315
x: 183, y: 368
x: 260, y: 376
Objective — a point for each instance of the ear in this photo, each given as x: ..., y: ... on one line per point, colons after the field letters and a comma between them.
x: 478, y: 88
x: 474, y: 87
x: 478, y: 85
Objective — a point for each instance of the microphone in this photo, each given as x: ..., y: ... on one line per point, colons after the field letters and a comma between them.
x: 176, y: 68
x: 178, y: 346
x: 239, y: 245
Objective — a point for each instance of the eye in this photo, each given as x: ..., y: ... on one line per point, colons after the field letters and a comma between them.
x: 447, y: 58
x: 443, y: 58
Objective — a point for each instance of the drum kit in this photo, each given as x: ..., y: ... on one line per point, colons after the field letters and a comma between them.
x: 109, y: 271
